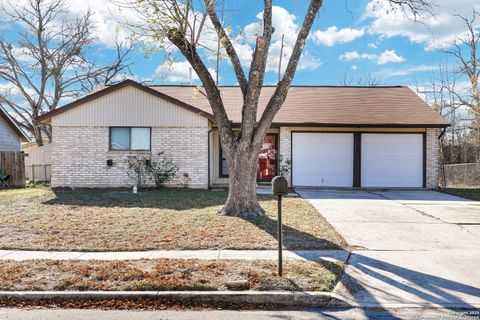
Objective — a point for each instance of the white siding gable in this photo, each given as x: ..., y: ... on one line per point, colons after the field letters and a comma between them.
x: 9, y: 138
x: 130, y: 107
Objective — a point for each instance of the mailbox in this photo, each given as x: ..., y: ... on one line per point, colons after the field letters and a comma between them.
x: 279, y: 186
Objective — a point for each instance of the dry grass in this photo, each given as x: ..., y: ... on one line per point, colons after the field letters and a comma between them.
x: 106, y: 220
x: 166, y: 274
x: 472, y: 194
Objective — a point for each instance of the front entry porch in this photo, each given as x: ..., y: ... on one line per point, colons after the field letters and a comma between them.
x: 268, y: 161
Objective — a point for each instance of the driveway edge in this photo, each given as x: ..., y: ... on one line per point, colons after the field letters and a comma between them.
x: 281, y: 298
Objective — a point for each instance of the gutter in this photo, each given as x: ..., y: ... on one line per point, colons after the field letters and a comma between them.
x: 281, y: 299
x: 208, y: 157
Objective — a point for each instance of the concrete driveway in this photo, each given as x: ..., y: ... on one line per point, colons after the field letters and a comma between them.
x: 415, y: 248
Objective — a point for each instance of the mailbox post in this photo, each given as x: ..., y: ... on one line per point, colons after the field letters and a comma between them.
x: 279, y: 188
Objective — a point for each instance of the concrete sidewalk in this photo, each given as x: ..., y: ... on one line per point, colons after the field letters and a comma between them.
x: 311, y: 255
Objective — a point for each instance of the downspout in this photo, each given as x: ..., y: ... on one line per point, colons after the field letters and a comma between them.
x: 444, y: 174
x: 208, y: 157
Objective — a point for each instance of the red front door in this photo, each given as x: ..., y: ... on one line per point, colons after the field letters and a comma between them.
x: 267, y: 159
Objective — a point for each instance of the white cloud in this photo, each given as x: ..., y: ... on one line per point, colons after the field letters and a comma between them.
x: 306, y: 62
x: 176, y: 72
x: 108, y: 18
x: 389, y: 56
x: 284, y: 24
x: 22, y: 55
x: 108, y: 30
x: 390, y: 73
x: 180, y: 71
x: 333, y: 35
x: 105, y: 15
x: 385, y: 57
x: 9, y: 89
x: 124, y: 76
x: 434, y: 31
x: 244, y: 52
x: 352, y: 55
x: 354, y: 67
x: 373, y: 45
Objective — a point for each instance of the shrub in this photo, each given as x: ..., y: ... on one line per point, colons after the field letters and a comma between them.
x: 138, y: 170
x: 163, y: 170
x: 141, y: 169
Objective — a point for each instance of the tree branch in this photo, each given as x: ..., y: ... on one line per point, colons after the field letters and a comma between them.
x: 281, y: 91
x: 213, y: 94
x: 53, y: 63
x: 257, y: 74
x: 228, y: 45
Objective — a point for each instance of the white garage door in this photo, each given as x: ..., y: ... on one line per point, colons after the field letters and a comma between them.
x: 392, y: 160
x: 322, y: 159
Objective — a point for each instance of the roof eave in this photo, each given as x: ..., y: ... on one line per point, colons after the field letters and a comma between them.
x: 361, y: 125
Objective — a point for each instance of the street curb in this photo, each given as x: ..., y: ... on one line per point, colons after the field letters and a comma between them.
x: 283, y: 298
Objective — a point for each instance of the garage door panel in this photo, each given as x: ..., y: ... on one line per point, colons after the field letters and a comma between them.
x: 392, y: 160
x: 322, y: 159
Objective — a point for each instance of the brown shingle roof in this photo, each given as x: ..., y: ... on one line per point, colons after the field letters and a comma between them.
x: 332, y: 106
x: 304, y: 106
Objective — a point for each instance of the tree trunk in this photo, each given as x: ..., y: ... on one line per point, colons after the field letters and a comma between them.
x: 47, y: 130
x: 37, y: 135
x: 242, y: 194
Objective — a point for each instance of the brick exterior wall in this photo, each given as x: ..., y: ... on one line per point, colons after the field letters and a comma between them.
x: 432, y: 158
x: 285, y: 148
x: 80, y: 154
x: 9, y: 139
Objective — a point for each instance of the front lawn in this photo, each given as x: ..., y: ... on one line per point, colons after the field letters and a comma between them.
x: 472, y: 194
x: 166, y: 275
x: 114, y: 220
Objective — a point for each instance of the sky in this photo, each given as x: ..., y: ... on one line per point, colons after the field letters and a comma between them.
x: 350, y: 39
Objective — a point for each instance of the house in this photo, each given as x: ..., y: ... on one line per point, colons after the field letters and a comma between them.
x: 334, y: 136
x: 11, y: 135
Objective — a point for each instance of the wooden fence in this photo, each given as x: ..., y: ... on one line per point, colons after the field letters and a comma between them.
x: 13, y: 163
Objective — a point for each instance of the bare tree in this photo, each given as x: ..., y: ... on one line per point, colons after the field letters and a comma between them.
x: 49, y: 63
x: 182, y: 24
x: 439, y: 93
x: 466, y: 51
x: 366, y: 80
x: 458, y: 97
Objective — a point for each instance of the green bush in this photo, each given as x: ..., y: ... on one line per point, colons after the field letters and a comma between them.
x: 141, y: 169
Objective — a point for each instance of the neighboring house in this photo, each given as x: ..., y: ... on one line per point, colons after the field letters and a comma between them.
x: 334, y: 136
x: 11, y: 135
